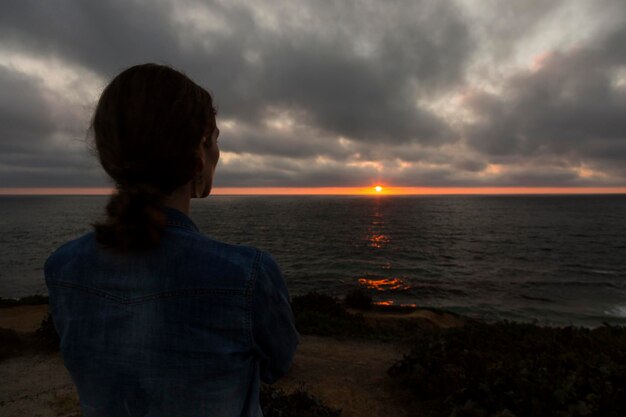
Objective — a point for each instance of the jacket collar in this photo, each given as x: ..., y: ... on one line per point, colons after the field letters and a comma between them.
x: 175, y: 217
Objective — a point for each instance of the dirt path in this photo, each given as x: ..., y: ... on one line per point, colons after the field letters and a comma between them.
x: 23, y: 318
x: 37, y: 385
x: 345, y: 374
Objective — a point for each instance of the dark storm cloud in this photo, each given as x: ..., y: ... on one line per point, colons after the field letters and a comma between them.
x: 569, y: 106
x: 40, y: 144
x: 59, y: 167
x: 101, y: 35
x: 364, y: 95
x: 334, y: 95
x: 371, y: 97
x: 357, y: 96
x: 25, y: 117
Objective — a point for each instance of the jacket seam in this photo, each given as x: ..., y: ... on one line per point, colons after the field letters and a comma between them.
x: 250, y: 295
x: 138, y: 300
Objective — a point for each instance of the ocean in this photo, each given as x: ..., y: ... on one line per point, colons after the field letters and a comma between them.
x: 552, y: 260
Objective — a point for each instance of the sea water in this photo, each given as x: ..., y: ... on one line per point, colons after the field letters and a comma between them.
x: 555, y: 260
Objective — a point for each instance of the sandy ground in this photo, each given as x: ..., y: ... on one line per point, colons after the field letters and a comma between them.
x: 37, y: 385
x: 345, y: 374
x: 23, y: 318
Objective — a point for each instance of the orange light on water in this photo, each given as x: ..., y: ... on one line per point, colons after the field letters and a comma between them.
x: 385, y: 284
x: 378, y: 241
x: 388, y: 303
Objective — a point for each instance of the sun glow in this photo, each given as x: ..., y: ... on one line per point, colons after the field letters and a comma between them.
x: 378, y: 188
x: 364, y: 191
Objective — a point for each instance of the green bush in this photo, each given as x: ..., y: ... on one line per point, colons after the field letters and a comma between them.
x: 514, y: 369
x: 323, y: 315
x: 275, y: 403
x: 47, y: 335
x: 359, y: 298
x: 320, y: 303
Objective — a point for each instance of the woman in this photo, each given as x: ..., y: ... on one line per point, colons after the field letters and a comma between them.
x: 156, y: 318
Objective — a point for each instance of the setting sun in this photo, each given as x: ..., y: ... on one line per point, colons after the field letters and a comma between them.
x: 378, y: 188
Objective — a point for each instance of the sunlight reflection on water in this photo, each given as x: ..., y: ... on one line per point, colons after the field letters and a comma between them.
x: 385, y: 284
x: 523, y: 257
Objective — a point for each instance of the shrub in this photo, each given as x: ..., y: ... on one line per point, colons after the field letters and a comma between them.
x: 320, y: 303
x: 323, y: 315
x: 275, y: 403
x: 359, y: 298
x: 514, y: 369
x: 47, y: 335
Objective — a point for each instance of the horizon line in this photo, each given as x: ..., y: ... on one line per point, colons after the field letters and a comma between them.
x: 337, y: 190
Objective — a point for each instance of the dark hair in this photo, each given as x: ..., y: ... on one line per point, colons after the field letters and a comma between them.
x: 147, y: 127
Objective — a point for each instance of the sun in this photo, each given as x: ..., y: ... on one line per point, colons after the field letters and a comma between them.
x: 378, y: 188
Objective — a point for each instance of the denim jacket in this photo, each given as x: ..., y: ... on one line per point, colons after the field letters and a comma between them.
x: 187, y: 329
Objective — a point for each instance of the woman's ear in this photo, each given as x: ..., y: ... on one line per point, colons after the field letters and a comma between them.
x: 201, y: 161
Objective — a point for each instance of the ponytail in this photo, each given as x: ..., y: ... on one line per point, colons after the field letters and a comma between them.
x: 135, y: 219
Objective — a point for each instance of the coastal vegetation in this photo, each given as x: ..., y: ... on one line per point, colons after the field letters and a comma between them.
x: 502, y: 369
x: 357, y: 317
x: 515, y: 369
x: 323, y: 315
x: 300, y: 403
x: 476, y: 369
x: 359, y: 298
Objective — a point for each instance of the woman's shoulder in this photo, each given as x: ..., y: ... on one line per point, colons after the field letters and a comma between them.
x: 262, y: 265
x: 181, y: 230
x: 71, y: 249
x: 203, y: 245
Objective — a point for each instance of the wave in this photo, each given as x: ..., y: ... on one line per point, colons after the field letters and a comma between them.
x: 560, y: 284
x: 529, y: 297
x: 603, y: 272
x: 591, y: 269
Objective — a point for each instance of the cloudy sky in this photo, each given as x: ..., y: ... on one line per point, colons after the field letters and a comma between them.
x: 334, y: 93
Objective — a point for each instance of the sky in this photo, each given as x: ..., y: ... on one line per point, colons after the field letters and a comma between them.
x: 436, y: 94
